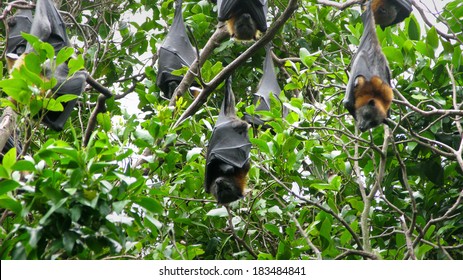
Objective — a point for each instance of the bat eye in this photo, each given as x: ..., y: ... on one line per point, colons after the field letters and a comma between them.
x: 382, y: 10
x: 371, y: 103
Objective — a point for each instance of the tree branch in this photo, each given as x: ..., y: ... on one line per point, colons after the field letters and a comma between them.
x: 226, y: 72
x: 340, y: 6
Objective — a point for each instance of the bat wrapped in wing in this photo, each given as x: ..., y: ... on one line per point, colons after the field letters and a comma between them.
x: 227, y: 158
x: 244, y: 17
x: 48, y: 26
x: 268, y: 86
x: 369, y: 93
x: 390, y: 12
x: 21, y: 21
x: 175, y: 52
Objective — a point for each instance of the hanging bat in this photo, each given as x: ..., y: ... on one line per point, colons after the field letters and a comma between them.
x: 49, y: 26
x: 227, y: 158
x: 244, y: 18
x: 21, y: 21
x: 268, y: 86
x: 390, y: 12
x: 369, y: 93
x: 175, y: 52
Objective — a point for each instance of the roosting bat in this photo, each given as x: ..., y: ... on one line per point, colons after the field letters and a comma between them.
x: 369, y: 93
x: 175, y: 52
x: 21, y: 21
x: 390, y: 12
x: 49, y: 27
x: 227, y: 158
x: 244, y: 17
x: 268, y: 86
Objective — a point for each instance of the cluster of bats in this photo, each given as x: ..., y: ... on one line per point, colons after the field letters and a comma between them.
x: 368, y: 95
x: 46, y: 24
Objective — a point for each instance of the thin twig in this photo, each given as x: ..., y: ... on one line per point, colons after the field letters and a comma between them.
x: 237, y: 238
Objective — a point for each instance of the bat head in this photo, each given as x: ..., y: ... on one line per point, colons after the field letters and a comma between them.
x: 370, y: 115
x: 385, y: 12
x: 244, y: 27
x: 390, y: 12
x: 225, y: 189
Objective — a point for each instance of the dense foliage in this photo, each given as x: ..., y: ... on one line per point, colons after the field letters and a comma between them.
x: 318, y: 188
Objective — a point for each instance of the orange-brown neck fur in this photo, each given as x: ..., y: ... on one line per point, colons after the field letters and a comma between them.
x: 374, y: 89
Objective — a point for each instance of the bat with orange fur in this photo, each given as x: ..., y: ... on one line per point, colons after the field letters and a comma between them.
x: 369, y: 94
x: 47, y: 25
x: 390, y: 12
x: 244, y: 18
x: 227, y: 158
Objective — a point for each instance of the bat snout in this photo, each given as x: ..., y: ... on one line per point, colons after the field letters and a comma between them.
x: 226, y: 191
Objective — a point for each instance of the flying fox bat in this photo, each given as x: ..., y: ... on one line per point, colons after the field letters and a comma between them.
x: 390, y: 12
x: 268, y: 86
x: 227, y: 157
x: 175, y: 52
x: 21, y: 21
x: 244, y: 17
x: 369, y: 93
x: 49, y: 27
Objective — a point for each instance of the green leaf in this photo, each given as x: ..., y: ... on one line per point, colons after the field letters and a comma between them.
x: 10, y: 204
x: 324, y: 186
x: 7, y: 186
x: 414, y: 29
x: 394, y: 54
x: 284, y: 251
x: 456, y: 58
x: 31, y: 76
x: 307, y: 58
x: 9, y: 159
x: 75, y: 64
x: 274, y: 230
x: 52, y: 210
x: 24, y: 165
x: 17, y: 89
x: 149, y: 204
x: 64, y: 54
x: 66, y: 97
x: 104, y: 120
x: 432, y: 39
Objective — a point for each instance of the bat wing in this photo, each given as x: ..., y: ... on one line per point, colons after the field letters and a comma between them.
x: 20, y: 22
x: 258, y: 10
x: 226, y: 9
x: 175, y: 52
x: 49, y: 26
x: 230, y: 144
x: 268, y: 84
x: 230, y: 140
x: 404, y: 8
